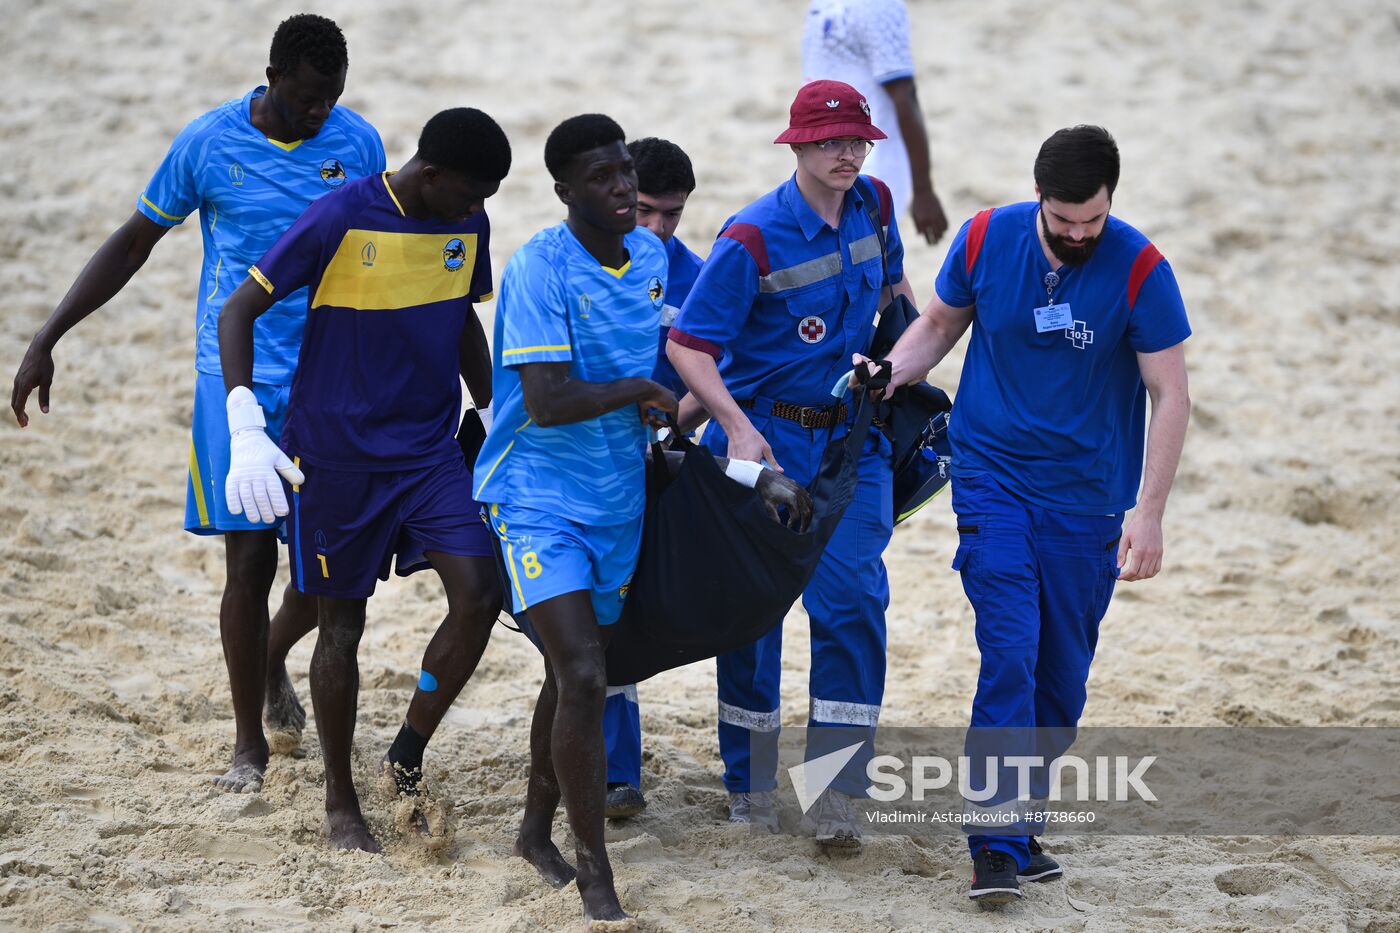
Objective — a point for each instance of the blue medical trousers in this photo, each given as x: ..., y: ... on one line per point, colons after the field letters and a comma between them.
x: 845, y: 602
x: 1039, y: 582
x: 622, y: 735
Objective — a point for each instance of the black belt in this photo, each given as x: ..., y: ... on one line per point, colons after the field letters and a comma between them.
x: 809, y: 417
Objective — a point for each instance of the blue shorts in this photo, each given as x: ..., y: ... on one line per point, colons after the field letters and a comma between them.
x: 206, y: 513
x: 549, y: 556
x: 345, y: 528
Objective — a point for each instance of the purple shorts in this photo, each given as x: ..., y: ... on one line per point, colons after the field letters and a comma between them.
x: 345, y: 528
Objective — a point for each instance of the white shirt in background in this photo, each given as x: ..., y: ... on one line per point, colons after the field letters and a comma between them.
x: 865, y: 43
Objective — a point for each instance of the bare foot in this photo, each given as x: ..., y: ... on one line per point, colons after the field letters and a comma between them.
x: 417, y: 809
x: 601, y: 911
x: 547, y: 861
x: 606, y: 915
x: 347, y: 830
x: 245, y: 776
x: 283, y: 715
x: 625, y: 925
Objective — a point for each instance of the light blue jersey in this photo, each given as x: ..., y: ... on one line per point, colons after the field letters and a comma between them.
x: 556, y: 303
x: 248, y: 191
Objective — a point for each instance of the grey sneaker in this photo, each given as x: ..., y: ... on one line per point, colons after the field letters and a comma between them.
x: 833, y: 821
x: 754, y: 807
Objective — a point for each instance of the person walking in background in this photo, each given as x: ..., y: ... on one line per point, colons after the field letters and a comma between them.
x: 865, y: 43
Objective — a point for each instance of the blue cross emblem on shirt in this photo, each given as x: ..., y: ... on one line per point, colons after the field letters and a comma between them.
x: 1080, y: 334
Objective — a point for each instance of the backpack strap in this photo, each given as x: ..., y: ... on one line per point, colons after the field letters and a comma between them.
x: 874, y: 208
x: 976, y: 233
x: 1146, y: 261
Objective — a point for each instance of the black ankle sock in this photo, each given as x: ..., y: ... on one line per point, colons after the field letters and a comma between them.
x: 407, y: 751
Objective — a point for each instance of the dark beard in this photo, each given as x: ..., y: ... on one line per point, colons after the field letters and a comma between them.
x: 1064, y: 252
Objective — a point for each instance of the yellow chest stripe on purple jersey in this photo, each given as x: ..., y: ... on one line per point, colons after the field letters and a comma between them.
x: 377, y: 271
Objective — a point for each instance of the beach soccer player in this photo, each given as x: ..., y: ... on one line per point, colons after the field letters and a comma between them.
x: 563, y: 467
x: 392, y: 265
x: 249, y: 166
x: 665, y: 181
x: 789, y: 291
x: 1076, y: 321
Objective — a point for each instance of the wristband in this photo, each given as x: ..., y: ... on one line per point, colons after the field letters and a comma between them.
x: 745, y: 472
x: 243, y: 410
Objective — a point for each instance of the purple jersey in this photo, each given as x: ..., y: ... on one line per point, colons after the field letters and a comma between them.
x: 377, y: 385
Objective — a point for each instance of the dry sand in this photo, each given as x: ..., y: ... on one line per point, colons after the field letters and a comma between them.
x: 1260, y: 145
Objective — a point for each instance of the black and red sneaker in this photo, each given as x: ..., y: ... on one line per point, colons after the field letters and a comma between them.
x: 993, y: 878
x: 1042, y: 866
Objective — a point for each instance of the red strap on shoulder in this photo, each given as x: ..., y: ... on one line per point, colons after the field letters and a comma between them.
x: 1146, y: 261
x: 751, y: 238
x: 976, y: 233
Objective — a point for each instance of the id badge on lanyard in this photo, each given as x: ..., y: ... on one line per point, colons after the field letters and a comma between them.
x: 1052, y: 316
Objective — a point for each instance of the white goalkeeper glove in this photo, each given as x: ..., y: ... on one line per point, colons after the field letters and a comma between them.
x: 252, y: 487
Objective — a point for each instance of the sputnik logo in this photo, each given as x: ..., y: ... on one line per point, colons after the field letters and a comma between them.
x: 811, y: 778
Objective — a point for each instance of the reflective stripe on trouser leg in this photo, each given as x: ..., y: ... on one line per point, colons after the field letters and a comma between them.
x: 622, y: 735
x: 748, y: 713
x: 846, y: 602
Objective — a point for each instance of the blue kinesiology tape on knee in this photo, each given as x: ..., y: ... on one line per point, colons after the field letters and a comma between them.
x: 427, y: 682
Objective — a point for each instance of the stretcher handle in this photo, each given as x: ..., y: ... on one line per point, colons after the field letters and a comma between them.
x: 877, y: 379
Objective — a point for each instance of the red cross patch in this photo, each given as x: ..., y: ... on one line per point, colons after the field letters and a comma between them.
x: 812, y: 329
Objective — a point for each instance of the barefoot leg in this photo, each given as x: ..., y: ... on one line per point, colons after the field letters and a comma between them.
x: 335, y: 685
x: 251, y: 563
x: 574, y: 643
x: 283, y: 715
x: 533, y: 843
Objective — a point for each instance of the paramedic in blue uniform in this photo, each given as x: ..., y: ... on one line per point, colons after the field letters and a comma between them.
x: 1076, y: 321
x: 787, y: 295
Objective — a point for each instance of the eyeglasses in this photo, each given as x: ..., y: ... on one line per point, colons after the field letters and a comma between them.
x: 839, y: 147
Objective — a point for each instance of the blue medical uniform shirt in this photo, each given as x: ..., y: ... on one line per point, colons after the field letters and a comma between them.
x: 784, y: 299
x: 1058, y: 418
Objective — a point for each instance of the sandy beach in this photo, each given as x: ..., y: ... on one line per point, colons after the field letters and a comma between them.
x: 1260, y: 143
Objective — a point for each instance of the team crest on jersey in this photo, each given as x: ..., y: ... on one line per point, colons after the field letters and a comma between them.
x: 865, y: 108
x: 585, y: 304
x: 454, y: 254
x: 656, y: 292
x: 235, y: 174
x: 333, y: 173
x: 812, y: 329
x: 367, y: 253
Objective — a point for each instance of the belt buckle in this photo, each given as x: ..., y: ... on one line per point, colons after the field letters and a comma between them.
x: 813, y: 417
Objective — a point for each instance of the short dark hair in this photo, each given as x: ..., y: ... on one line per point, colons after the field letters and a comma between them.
x: 1075, y: 162
x: 578, y: 135
x: 466, y: 140
x: 308, y: 38
x: 662, y: 166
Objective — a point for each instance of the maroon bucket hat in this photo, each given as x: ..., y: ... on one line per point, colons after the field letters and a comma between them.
x: 828, y: 110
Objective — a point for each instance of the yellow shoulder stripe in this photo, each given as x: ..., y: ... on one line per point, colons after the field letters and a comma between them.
x: 557, y: 346
x: 147, y: 201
